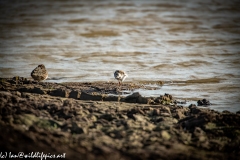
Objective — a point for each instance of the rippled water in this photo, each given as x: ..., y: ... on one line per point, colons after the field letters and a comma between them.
x: 193, y: 44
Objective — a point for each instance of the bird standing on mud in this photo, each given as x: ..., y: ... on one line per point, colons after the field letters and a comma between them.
x: 120, y: 76
x: 39, y: 73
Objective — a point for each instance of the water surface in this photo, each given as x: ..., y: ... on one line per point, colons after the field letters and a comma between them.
x: 193, y: 44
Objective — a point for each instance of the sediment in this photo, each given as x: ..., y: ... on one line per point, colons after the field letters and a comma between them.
x: 97, y: 121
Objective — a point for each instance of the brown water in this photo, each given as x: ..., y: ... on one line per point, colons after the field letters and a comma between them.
x: 191, y: 45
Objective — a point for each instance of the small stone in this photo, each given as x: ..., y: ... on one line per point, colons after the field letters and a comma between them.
x: 60, y: 93
x: 203, y: 102
x: 156, y: 112
x: 74, y: 94
x: 180, y: 115
x: 165, y: 135
x: 138, y: 117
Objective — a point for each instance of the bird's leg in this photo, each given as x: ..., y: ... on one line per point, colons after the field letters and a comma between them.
x: 120, y: 85
x: 117, y: 86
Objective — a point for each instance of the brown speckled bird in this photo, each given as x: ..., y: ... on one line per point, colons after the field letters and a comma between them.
x: 39, y: 73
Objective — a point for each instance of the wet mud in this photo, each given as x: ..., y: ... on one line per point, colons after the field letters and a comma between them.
x: 98, y: 121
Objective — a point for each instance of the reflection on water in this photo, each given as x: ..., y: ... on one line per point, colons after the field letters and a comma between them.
x: 151, y: 40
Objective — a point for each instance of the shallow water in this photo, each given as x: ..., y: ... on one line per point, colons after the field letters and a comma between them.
x: 195, y: 45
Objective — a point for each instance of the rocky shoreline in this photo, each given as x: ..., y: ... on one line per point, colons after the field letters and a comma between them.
x: 86, y: 121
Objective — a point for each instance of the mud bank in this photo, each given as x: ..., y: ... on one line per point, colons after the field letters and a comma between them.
x: 86, y: 121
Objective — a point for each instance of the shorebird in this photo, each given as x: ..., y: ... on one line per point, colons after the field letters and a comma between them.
x: 39, y: 73
x: 120, y: 76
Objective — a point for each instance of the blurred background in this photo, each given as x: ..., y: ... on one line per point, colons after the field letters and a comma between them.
x: 192, y: 44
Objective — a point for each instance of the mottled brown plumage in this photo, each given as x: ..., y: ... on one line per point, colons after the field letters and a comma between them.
x: 39, y: 73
